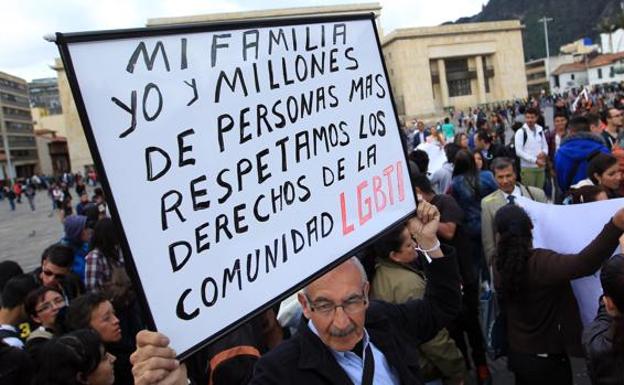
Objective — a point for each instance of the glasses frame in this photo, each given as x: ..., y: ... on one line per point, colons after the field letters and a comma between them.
x: 330, y: 313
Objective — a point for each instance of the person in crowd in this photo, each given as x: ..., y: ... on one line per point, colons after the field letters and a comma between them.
x: 17, y: 189
x: 441, y: 178
x: 595, y: 124
x: 555, y: 136
x: 587, y: 194
x: 509, y: 189
x: 30, y: 195
x: 397, y: 279
x: 12, y: 312
x: 461, y: 140
x: 448, y: 129
x: 93, y: 310
x: 421, y: 134
x: 77, y: 358
x: 421, y: 159
x: 468, y: 187
x: 603, y: 170
x: 543, y: 322
x: 104, y: 255
x: 105, y: 272
x: 42, y: 306
x: 603, y: 339
x: 345, y: 333
x: 451, y: 231
x: 8, y: 270
x: 485, y: 145
x: 84, y: 201
x: 479, y: 162
x: 81, y: 188
x: 10, y: 194
x: 77, y: 236
x: 613, y: 118
x: 436, y: 138
x: 55, y: 271
x: 572, y: 157
x: 532, y: 149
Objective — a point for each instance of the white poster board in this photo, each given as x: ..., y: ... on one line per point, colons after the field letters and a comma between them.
x: 567, y: 229
x: 240, y: 160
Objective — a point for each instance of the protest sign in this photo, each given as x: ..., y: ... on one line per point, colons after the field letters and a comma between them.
x: 568, y: 229
x: 241, y: 160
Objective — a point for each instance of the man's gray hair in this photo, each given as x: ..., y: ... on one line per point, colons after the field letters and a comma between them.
x: 356, y: 261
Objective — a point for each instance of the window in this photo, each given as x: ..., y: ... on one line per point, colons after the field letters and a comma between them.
x: 458, y: 77
x: 459, y: 87
x: 572, y: 76
x: 611, y: 72
x: 599, y: 73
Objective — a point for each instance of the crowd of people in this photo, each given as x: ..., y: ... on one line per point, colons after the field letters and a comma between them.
x: 406, y: 310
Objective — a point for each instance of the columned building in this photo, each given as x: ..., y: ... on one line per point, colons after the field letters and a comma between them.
x: 435, y: 69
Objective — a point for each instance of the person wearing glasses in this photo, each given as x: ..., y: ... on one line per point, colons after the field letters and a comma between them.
x: 344, y: 338
x: 55, y: 272
x: 42, y: 306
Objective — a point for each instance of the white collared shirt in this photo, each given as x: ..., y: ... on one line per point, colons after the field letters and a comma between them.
x: 517, y: 193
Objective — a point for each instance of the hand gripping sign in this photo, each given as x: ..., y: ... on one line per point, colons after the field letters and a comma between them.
x: 241, y: 160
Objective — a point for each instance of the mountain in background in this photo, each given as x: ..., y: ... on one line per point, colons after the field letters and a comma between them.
x: 573, y: 19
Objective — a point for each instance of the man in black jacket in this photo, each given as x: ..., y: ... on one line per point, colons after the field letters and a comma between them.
x: 345, y: 340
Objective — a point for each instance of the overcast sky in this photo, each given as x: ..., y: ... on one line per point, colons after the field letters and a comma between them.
x: 24, y: 53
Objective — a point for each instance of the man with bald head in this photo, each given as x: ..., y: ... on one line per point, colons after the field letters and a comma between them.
x: 345, y: 339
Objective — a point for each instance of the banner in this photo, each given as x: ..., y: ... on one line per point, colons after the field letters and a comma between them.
x: 241, y: 160
x: 567, y: 229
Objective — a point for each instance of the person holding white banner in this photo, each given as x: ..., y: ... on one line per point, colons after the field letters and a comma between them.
x: 345, y: 339
x: 543, y: 321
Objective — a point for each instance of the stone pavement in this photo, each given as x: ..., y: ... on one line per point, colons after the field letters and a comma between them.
x: 24, y: 234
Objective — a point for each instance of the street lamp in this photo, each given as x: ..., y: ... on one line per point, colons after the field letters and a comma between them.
x: 545, y: 20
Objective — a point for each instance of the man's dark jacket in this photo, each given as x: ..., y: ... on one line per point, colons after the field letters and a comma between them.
x: 396, y: 330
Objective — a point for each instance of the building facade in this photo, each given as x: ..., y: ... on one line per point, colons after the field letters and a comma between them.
x: 79, y: 154
x: 17, y: 139
x: 44, y: 94
x: 433, y: 69
x: 537, y: 79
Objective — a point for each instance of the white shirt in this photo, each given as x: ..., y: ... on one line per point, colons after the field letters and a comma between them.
x: 517, y: 193
x: 535, y: 143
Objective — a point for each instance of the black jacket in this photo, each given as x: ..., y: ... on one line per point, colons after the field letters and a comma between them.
x: 604, y: 365
x: 396, y: 330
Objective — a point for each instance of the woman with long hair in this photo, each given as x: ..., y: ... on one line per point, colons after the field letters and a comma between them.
x: 468, y: 186
x: 104, y: 255
x: 603, y: 339
x: 543, y: 321
x: 603, y: 170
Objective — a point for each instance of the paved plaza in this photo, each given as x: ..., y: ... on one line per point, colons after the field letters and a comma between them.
x: 24, y: 234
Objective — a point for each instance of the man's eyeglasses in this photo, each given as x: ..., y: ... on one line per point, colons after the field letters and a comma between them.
x: 47, y: 306
x: 50, y: 273
x: 352, y: 305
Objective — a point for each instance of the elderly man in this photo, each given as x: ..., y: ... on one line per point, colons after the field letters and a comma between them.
x: 508, y: 190
x: 345, y: 339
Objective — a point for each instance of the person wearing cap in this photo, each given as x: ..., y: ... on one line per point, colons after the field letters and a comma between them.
x: 77, y: 236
